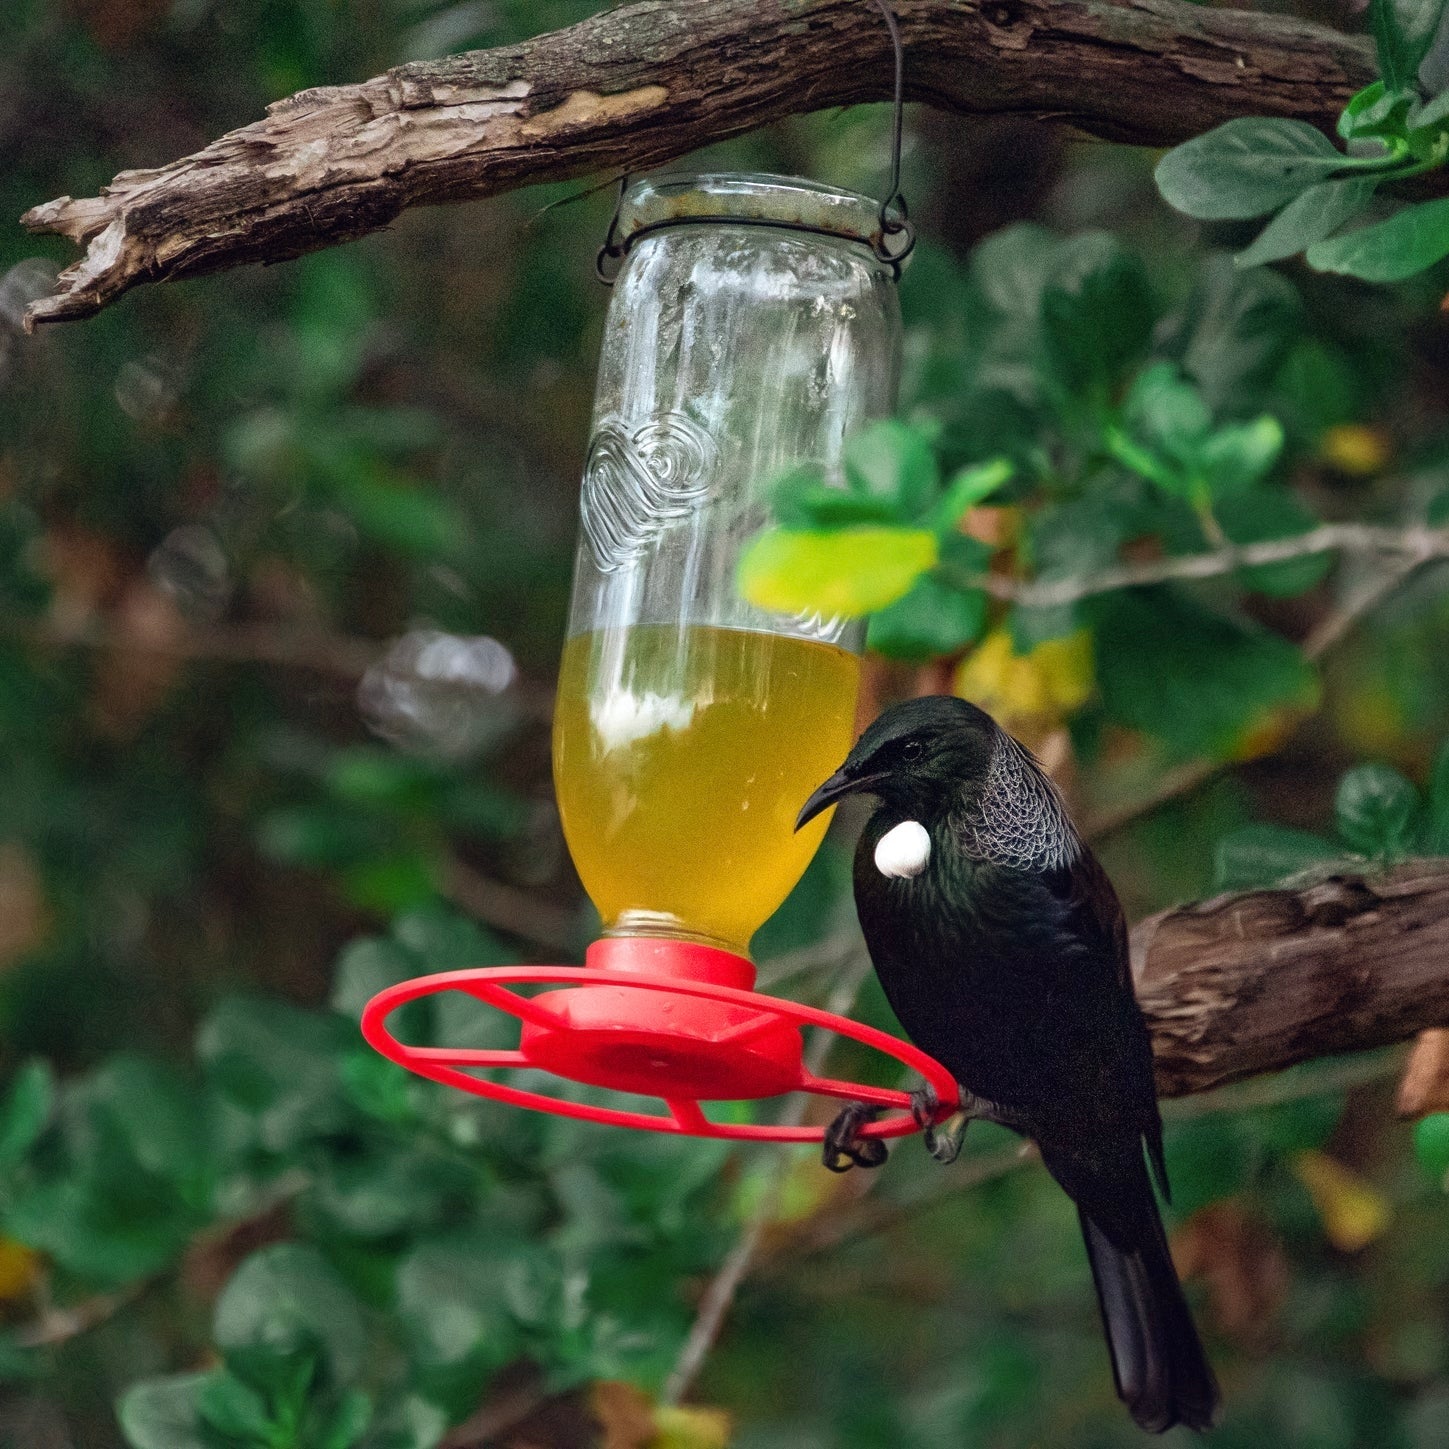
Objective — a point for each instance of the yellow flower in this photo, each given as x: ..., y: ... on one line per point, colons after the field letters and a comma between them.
x: 19, y: 1268
x: 1355, y: 449
x: 1354, y: 1212
x: 1038, y: 688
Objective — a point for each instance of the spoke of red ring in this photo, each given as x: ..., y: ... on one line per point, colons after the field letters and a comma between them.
x: 687, y: 1113
x: 763, y: 1022
x: 519, y: 1006
x: 467, y: 1057
x: 853, y: 1091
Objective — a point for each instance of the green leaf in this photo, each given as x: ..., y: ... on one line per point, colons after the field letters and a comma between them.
x: 1414, y: 237
x: 1203, y: 682
x: 1403, y: 31
x: 286, y: 1302
x: 26, y: 1110
x: 233, y: 1408
x: 970, y: 486
x: 1377, y: 113
x: 1246, y: 167
x: 1431, y: 1146
x: 159, y: 1113
x: 1377, y: 811
x: 850, y: 572
x: 1166, y: 412
x: 410, y: 1423
x: 348, y: 1421
x: 1437, y: 835
x: 1310, y: 217
x: 164, y: 1413
x: 893, y: 463
x: 398, y: 514
x: 932, y: 620
x: 1238, y: 455
x: 1240, y: 326
x: 1263, y: 855
x: 279, y: 1065
x: 1261, y: 514
x: 1097, y: 313
x: 452, y: 1300
x: 1209, y: 1158
x: 1426, y: 117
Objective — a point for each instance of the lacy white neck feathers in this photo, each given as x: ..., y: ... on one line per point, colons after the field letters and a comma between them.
x: 1019, y: 819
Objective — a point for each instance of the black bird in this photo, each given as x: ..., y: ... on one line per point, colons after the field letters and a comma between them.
x: 1002, y: 948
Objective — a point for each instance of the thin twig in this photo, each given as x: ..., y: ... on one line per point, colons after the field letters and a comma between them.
x: 1416, y: 544
x: 507, y: 908
x: 1325, y: 635
x: 715, y: 1305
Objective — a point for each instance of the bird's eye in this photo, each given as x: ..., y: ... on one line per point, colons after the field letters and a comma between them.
x: 911, y: 750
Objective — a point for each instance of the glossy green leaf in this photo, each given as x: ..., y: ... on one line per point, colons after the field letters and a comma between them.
x: 409, y: 1423
x: 1237, y: 455
x: 26, y: 1109
x: 1431, y: 1146
x: 165, y: 1413
x: 1096, y: 313
x: 234, y: 1408
x: 1414, y: 237
x: 1200, y: 681
x: 1403, y: 31
x: 850, y: 572
x: 1377, y: 811
x: 1239, y: 326
x: 1310, y: 217
x: 1246, y: 167
x: 1429, y: 116
x: 1437, y: 831
x: 1376, y: 112
x: 1166, y: 412
x: 1263, y: 855
x: 348, y: 1421
x: 970, y: 486
x: 934, y: 619
x: 893, y: 463
x: 286, y: 1301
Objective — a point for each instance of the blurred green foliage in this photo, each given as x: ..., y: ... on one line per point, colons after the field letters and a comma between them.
x: 238, y: 794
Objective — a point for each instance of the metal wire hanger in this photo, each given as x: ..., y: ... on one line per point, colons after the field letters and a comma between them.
x: 896, y: 238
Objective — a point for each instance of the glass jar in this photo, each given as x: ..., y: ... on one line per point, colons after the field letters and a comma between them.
x: 752, y: 328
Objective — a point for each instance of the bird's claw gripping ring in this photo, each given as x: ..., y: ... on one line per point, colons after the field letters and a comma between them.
x: 843, y: 1148
x: 945, y: 1147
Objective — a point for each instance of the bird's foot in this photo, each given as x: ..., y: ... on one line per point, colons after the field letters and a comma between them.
x: 945, y: 1147
x: 845, y: 1148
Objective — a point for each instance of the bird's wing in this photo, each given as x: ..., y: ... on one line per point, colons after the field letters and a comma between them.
x: 1095, y: 904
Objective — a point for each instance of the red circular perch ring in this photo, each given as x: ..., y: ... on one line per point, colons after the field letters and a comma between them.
x: 684, y: 1034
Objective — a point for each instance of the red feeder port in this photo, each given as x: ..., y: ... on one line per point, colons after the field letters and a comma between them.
x: 659, y: 1018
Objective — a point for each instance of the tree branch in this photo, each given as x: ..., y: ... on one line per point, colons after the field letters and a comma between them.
x: 1413, y: 546
x: 1259, y: 981
x: 651, y: 81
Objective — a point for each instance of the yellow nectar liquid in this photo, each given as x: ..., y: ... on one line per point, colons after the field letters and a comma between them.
x: 681, y: 757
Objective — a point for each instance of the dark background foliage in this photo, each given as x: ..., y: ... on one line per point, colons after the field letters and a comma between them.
x: 232, y: 805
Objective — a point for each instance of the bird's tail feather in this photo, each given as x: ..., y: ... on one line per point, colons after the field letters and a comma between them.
x: 1161, y: 1370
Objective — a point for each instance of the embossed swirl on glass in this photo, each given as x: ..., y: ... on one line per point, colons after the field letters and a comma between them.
x: 690, y: 724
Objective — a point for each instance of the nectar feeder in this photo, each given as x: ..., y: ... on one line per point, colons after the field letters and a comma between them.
x: 754, y: 325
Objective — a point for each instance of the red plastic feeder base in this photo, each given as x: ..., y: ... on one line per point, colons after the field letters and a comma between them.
x: 660, y: 1018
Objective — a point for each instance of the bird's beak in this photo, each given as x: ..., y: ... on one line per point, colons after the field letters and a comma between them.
x: 837, y: 786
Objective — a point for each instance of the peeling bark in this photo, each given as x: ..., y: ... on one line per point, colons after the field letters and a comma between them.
x: 647, y: 83
x: 1257, y: 982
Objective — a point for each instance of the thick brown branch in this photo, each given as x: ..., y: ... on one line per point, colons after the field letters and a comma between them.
x: 651, y: 81
x: 1257, y: 982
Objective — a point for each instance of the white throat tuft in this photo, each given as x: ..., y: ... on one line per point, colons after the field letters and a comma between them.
x: 902, y: 853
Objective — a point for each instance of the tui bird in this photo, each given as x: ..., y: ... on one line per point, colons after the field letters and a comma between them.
x: 1002, y: 948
